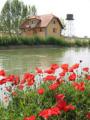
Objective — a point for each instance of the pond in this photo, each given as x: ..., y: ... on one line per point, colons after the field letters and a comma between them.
x: 18, y: 61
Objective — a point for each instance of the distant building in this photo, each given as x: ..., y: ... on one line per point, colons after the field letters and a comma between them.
x: 43, y: 26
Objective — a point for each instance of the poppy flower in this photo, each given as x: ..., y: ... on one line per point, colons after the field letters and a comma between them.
x: 54, y: 66
x: 87, y: 77
x: 30, y: 118
x: 59, y: 97
x: 49, y: 112
x: 50, y: 78
x: 20, y: 86
x: 41, y: 91
x: 54, y: 86
x: 75, y: 66
x: 72, y: 77
x: 62, y: 74
x: 65, y: 67
x: 69, y: 107
x: 79, y: 86
x: 3, y: 81
x: 71, y: 69
x: 49, y: 71
x: 29, y: 78
x: 88, y: 116
x: 86, y: 69
x: 61, y: 104
x: 11, y: 78
x: 55, y: 111
x: 30, y: 82
x: 2, y: 73
x: 38, y: 70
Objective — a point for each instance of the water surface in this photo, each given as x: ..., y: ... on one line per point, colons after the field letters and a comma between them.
x: 18, y: 61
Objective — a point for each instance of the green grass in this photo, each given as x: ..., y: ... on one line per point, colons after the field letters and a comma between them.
x: 31, y: 41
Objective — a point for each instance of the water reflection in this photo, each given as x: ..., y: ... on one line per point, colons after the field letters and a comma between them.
x: 18, y: 61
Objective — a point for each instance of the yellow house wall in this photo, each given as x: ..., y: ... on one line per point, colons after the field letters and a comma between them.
x: 28, y: 33
x: 41, y: 33
x: 31, y: 33
x: 56, y: 26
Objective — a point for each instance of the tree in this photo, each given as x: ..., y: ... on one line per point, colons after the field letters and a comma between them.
x: 33, y: 10
x: 6, y: 17
x: 13, y: 13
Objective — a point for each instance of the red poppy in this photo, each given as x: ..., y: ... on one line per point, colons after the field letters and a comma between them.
x: 54, y: 66
x: 45, y: 113
x: 50, y: 77
x: 49, y: 112
x: 75, y: 66
x: 3, y: 81
x: 88, y: 116
x: 59, y: 97
x: 62, y: 74
x: 65, y: 67
x: 41, y: 91
x: 55, y: 111
x: 30, y: 118
x: 87, y: 77
x: 28, y: 75
x: 49, y: 71
x: 69, y: 107
x: 30, y: 82
x: 20, y: 86
x: 38, y: 70
x: 2, y: 72
x: 54, y: 86
x: 14, y: 79
x: 86, y: 69
x: 61, y: 104
x: 29, y: 78
x: 71, y: 69
x: 79, y: 86
x: 72, y: 77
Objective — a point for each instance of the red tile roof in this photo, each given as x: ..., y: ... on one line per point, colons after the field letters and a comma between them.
x: 44, y: 20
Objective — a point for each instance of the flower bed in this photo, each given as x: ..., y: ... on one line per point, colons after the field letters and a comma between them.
x: 61, y: 92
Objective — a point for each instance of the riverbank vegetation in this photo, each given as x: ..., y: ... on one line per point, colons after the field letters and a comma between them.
x: 59, y: 92
x: 7, y: 41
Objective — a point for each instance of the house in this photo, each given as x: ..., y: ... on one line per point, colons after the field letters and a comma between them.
x: 43, y: 26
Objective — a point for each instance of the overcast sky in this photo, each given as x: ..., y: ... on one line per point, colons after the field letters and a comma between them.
x: 80, y: 9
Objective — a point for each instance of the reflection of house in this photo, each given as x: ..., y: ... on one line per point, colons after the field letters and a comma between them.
x: 44, y: 25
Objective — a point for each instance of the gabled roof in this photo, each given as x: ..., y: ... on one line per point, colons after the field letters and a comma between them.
x: 44, y: 20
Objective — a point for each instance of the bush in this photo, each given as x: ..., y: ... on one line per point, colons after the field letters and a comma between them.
x: 35, y: 40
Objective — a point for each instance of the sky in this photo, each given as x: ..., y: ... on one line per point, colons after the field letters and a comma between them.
x: 79, y: 8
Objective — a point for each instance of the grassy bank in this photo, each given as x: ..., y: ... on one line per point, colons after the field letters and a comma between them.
x: 31, y: 41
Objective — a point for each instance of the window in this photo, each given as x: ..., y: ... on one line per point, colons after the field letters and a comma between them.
x: 54, y: 30
x: 41, y: 30
x: 32, y: 22
x: 54, y: 22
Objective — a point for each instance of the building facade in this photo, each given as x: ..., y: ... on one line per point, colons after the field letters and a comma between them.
x: 42, y: 26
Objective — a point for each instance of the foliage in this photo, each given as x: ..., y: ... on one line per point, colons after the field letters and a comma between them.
x: 35, y: 40
x: 59, y: 92
x: 12, y: 15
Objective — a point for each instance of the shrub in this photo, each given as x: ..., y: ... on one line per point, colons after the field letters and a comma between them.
x: 35, y: 40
